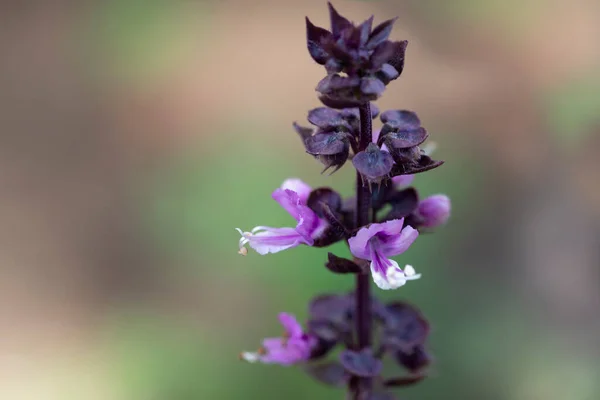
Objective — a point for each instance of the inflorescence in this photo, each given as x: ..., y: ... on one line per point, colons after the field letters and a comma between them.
x: 360, y: 62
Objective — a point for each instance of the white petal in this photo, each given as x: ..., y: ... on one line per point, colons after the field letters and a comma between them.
x: 394, y: 276
x: 250, y: 357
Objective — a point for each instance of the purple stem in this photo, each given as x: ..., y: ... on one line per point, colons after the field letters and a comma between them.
x: 362, y: 387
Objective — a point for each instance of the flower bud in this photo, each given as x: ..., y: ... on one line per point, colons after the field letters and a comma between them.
x: 434, y: 211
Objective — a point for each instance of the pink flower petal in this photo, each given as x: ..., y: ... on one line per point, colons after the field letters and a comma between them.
x: 291, y: 325
x: 273, y: 240
x: 394, y: 245
x: 289, y: 200
x: 300, y: 187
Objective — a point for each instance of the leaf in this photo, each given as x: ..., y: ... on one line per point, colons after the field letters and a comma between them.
x: 341, y: 265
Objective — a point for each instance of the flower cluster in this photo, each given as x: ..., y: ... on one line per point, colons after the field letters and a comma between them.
x: 394, y: 150
x: 360, y: 61
x: 403, y: 332
x: 324, y: 218
x: 382, y: 220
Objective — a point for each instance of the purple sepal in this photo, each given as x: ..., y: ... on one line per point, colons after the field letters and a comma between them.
x: 404, y: 327
x: 361, y: 363
x: 373, y: 163
x: 414, y: 166
x: 327, y: 144
x: 303, y: 132
x: 333, y: 308
x: 316, y: 40
x: 403, y: 139
x: 400, y: 119
x: 381, y: 33
x: 415, y: 360
x: 372, y: 86
x: 327, y: 118
x: 330, y: 373
x: 403, y: 203
x: 397, y: 60
x: 339, y: 24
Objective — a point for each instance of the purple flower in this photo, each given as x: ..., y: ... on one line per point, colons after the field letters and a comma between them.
x: 376, y: 243
x: 294, y: 347
x: 434, y: 211
x: 292, y: 196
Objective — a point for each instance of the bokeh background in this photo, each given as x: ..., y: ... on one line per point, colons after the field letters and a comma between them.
x: 137, y: 134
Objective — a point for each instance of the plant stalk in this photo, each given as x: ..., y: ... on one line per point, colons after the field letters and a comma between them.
x: 362, y: 386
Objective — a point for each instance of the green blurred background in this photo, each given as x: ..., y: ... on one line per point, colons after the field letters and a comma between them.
x: 137, y: 134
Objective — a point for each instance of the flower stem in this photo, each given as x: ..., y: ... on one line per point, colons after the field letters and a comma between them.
x: 363, y: 201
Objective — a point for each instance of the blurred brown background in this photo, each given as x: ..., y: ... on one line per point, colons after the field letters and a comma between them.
x: 137, y: 134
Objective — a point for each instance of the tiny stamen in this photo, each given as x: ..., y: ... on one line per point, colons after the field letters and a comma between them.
x: 243, y: 240
x: 410, y: 273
